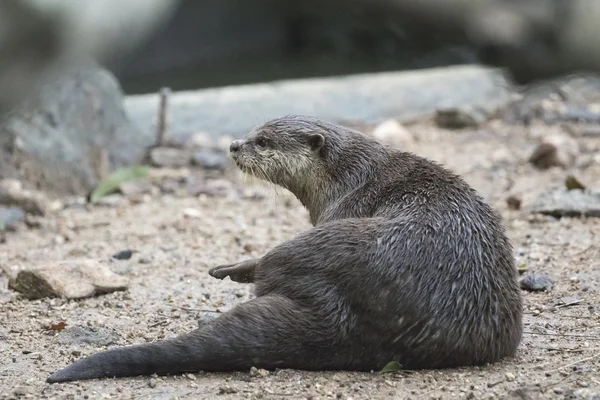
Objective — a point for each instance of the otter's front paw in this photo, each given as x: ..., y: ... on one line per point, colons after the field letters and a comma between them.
x: 242, y: 272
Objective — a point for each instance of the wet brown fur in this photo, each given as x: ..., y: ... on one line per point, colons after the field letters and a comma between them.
x: 405, y: 262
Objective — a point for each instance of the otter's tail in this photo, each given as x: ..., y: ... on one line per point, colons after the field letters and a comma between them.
x: 170, y: 356
x: 266, y: 332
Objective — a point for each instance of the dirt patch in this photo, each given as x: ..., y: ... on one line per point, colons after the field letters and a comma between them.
x: 171, y: 290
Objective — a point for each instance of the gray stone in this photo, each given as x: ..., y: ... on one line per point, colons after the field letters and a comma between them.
x: 5, y: 295
x: 12, y: 193
x: 568, y: 203
x: 10, y: 217
x: 78, y: 336
x: 73, y: 279
x: 536, y: 282
x: 460, y: 117
x: 555, y: 150
x: 169, y: 157
x: 136, y: 187
x: 209, y: 159
x: 67, y: 136
x: 392, y: 133
x: 112, y: 200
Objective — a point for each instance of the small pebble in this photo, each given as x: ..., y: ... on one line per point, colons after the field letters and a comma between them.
x: 513, y: 202
x: 536, y: 282
x: 123, y: 255
x: 460, y: 117
x: 227, y: 390
x: 556, y: 150
x: 112, y: 200
x: 191, y: 377
x: 259, y: 372
x: 510, y: 377
x: 136, y: 187
x: 192, y: 213
x: 145, y: 260
x: 392, y: 133
x: 152, y: 383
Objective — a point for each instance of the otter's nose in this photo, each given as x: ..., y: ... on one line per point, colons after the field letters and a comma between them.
x: 235, y: 146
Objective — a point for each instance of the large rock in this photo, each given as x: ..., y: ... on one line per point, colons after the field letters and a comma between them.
x: 368, y: 98
x: 69, y: 135
x: 73, y: 279
x: 35, y: 34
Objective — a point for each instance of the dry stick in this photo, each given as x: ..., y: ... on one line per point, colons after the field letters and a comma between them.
x: 587, y: 337
x: 161, y: 129
x: 427, y: 394
x: 574, y: 363
x: 573, y: 303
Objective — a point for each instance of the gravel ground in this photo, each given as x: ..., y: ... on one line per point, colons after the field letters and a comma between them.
x: 178, y: 238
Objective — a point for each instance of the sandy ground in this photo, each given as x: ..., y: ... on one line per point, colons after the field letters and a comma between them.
x: 170, y: 289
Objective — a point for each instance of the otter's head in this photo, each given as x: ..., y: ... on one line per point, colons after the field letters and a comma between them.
x: 284, y: 151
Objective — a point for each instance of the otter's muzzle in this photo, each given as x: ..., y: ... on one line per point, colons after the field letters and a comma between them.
x: 235, y: 146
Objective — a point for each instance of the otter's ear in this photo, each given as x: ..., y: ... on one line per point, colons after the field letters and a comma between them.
x: 316, y: 141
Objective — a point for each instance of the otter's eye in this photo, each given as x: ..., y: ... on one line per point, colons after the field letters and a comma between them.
x: 261, y: 142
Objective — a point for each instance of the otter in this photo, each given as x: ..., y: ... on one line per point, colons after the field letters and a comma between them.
x: 405, y: 262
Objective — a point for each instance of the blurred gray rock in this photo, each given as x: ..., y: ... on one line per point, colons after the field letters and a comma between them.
x: 70, y: 134
x: 136, y: 187
x: 555, y: 150
x: 36, y: 34
x: 169, y: 157
x: 368, y: 98
x: 209, y: 159
x: 12, y: 193
x: 568, y: 203
x: 460, y: 117
x: 10, y: 217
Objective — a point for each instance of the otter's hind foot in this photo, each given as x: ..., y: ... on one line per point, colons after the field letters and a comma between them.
x: 242, y: 272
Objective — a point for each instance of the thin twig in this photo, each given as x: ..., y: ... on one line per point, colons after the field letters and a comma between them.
x: 190, y: 309
x: 573, y: 303
x: 588, y: 337
x: 164, y: 322
x: 426, y: 394
x: 574, y: 363
x: 557, y: 314
x: 582, y: 251
x: 161, y: 129
x: 550, y: 385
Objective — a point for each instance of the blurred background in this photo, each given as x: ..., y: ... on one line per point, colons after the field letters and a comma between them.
x: 188, y: 44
